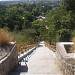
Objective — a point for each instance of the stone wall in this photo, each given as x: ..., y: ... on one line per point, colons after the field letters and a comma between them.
x: 65, y: 67
x: 64, y: 59
x: 8, y: 63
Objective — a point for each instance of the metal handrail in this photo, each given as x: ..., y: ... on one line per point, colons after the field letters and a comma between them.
x: 27, y: 53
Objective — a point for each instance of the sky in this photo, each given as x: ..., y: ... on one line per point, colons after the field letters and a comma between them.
x: 8, y: 0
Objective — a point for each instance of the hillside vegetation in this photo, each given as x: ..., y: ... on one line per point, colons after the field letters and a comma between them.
x: 22, y: 21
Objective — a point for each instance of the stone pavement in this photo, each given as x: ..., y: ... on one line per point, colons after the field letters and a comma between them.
x: 40, y: 62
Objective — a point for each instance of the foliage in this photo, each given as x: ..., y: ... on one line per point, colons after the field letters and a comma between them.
x: 73, y: 46
x: 21, y: 19
x: 17, y: 17
x: 60, y: 21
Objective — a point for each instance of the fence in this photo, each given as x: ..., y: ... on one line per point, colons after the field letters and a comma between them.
x: 25, y: 54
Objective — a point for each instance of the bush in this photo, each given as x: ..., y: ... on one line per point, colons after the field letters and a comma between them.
x: 5, y: 37
x: 73, y: 47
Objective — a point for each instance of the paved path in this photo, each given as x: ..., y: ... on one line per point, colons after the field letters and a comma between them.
x: 42, y: 62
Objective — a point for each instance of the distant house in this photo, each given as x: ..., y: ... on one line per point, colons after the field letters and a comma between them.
x: 41, y: 17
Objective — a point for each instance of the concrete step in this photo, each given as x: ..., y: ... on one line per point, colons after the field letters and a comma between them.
x: 23, y: 73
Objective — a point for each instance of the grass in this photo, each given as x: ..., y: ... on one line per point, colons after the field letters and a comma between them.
x: 24, y: 48
x: 5, y: 37
x: 52, y: 47
x: 24, y: 42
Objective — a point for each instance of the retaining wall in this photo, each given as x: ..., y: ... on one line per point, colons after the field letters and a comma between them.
x: 63, y: 56
x: 8, y: 63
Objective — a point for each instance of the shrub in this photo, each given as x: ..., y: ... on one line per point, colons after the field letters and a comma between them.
x: 5, y: 37
x: 73, y: 47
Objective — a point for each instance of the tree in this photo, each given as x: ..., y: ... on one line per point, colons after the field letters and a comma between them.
x: 70, y: 4
x: 61, y: 22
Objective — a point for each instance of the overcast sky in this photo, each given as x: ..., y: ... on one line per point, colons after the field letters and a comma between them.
x: 8, y: 0
x: 5, y: 0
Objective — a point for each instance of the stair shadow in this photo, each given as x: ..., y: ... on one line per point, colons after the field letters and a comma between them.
x: 19, y: 69
x: 23, y: 68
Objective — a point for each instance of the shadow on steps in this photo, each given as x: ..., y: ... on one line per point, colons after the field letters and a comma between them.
x: 19, y: 69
